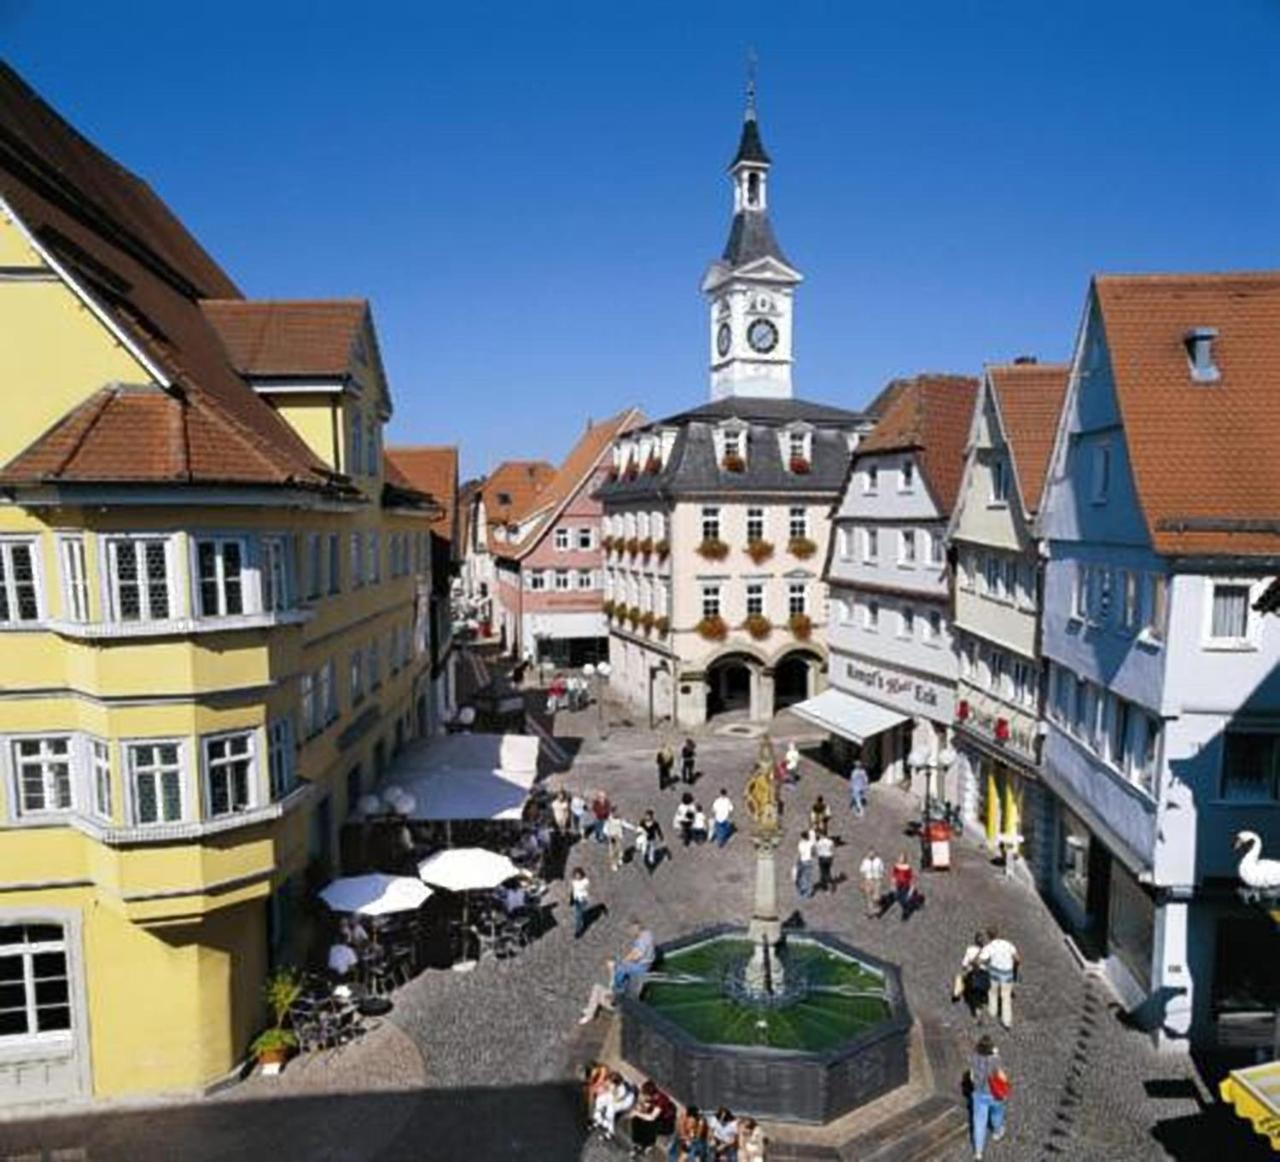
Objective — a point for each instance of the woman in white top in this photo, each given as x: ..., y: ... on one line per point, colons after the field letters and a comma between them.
x: 580, y: 897
x: 699, y: 825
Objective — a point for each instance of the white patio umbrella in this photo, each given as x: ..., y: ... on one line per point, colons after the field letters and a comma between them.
x: 375, y: 894
x: 467, y: 869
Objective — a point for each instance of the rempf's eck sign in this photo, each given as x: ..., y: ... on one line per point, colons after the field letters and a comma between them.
x: 908, y: 692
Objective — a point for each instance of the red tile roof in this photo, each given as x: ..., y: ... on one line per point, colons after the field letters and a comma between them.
x: 432, y: 469
x: 293, y: 337
x: 929, y: 414
x: 1203, y: 455
x: 573, y: 472
x: 147, y: 274
x: 522, y: 482
x: 1029, y: 398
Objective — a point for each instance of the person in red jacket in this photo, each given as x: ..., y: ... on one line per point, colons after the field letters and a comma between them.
x: 904, y: 884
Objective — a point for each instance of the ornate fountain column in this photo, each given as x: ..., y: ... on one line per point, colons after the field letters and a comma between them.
x: 764, y: 971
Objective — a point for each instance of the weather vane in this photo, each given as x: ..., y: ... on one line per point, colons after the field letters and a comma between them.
x: 752, y: 61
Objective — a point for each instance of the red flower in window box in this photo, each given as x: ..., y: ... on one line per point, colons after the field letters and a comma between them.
x: 732, y: 462
x: 652, y: 466
x: 962, y: 709
x: 633, y: 470
x: 799, y: 466
x: 1002, y: 730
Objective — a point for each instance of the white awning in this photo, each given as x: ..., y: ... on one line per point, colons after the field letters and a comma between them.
x: 468, y: 776
x: 848, y: 716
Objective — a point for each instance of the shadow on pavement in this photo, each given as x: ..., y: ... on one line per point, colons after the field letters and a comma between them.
x: 439, y: 1125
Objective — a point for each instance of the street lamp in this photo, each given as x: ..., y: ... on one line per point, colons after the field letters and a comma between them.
x: 603, y: 670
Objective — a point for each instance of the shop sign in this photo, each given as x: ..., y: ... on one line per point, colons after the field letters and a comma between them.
x: 917, y: 694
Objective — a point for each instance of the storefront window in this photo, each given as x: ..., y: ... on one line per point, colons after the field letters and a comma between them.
x: 1246, y: 952
x: 1131, y: 922
x: 1073, y: 857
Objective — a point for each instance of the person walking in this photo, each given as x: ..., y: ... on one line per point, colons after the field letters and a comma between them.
x: 1001, y: 960
x: 666, y: 761
x: 654, y: 841
x: 804, y: 865
x: 615, y: 831
x: 688, y: 760
x: 580, y: 898
x: 560, y: 811
x: 859, y: 786
x: 871, y: 873
x: 904, y: 884
x: 722, y: 817
x: 577, y: 813
x: 988, y: 1092
x: 792, y: 761
x: 600, y: 812
x: 820, y: 816
x: 972, y: 983
x: 824, y: 849
x: 684, y: 818
x: 699, y: 825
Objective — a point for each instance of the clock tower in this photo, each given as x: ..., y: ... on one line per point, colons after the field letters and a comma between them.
x: 750, y: 288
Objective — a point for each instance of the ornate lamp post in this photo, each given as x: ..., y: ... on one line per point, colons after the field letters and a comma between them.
x: 764, y: 971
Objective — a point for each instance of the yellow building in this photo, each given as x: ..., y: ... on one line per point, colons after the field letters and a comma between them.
x: 211, y: 627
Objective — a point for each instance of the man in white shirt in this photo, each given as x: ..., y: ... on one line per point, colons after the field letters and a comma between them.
x: 1001, y: 960
x: 804, y: 865
x: 792, y: 760
x: 871, y: 872
x: 722, y: 817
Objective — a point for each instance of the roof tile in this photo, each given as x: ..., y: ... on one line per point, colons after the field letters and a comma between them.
x: 1029, y: 397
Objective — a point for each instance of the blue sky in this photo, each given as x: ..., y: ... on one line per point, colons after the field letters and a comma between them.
x: 529, y: 193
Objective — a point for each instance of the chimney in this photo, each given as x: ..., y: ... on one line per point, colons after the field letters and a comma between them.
x: 1025, y: 360
x: 1199, y: 344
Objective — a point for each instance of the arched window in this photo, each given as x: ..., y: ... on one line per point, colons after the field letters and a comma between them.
x: 753, y: 189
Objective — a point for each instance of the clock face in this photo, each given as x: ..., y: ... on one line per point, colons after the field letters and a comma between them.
x: 762, y: 335
x: 723, y: 337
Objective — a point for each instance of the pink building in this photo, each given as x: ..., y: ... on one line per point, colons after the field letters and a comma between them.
x: 549, y: 561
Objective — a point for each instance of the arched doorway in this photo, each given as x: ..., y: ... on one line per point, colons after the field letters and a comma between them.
x: 793, y: 679
x: 729, y: 685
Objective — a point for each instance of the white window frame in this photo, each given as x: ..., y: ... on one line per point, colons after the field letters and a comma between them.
x: 585, y: 539
x: 1244, y: 641
x: 797, y: 523
x: 871, y: 616
x: 537, y: 580
x: 932, y: 626
x: 45, y: 759
x: 133, y: 799
x: 1155, y: 607
x: 908, y: 549
x: 710, y: 522
x: 73, y: 566
x: 109, y: 552
x: 584, y: 579
x: 870, y: 545
x: 756, y: 524
x: 871, y: 480
x: 711, y: 603
x: 755, y: 598
x: 35, y: 1039
x: 907, y: 476
x: 561, y: 536
x: 797, y: 595
x: 562, y: 580
x: 98, y: 771
x: 906, y: 622
x: 220, y: 541
x: 207, y: 771
x: 999, y: 497
x: 274, y: 591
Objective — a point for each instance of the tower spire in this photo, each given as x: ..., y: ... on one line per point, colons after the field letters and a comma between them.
x: 752, y: 61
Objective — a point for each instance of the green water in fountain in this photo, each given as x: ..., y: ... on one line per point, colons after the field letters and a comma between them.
x: 843, y: 998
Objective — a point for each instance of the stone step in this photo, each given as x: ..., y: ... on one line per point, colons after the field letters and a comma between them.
x: 915, y: 1135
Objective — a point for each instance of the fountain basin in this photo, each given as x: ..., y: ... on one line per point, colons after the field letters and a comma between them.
x: 836, y: 1039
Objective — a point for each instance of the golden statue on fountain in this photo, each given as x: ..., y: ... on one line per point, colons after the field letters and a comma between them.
x: 764, y: 973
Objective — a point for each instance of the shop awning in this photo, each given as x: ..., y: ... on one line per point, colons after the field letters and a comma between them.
x: 850, y: 717
x: 1255, y: 1095
x: 468, y: 776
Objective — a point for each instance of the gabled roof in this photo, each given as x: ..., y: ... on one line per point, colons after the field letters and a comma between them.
x: 297, y: 337
x: 432, y: 469
x: 1029, y: 399
x: 575, y: 471
x: 1203, y: 455
x: 146, y: 273
x: 521, y: 482
x: 930, y: 414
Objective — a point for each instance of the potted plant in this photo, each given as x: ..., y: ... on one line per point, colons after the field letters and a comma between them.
x: 646, y: 546
x: 713, y: 549
x: 732, y: 462
x: 758, y: 626
x: 647, y: 621
x: 634, y: 615
x: 662, y: 625
x: 633, y: 545
x: 799, y: 466
x: 606, y: 542
x: 759, y: 550
x: 273, y: 1045
x: 662, y: 548
x: 652, y: 466
x: 801, y: 626
x: 633, y: 470
x: 606, y: 607
x: 713, y: 628
x: 801, y: 547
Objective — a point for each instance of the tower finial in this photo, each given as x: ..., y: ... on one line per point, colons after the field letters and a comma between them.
x: 752, y: 61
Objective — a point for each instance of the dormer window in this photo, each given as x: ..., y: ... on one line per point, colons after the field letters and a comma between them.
x: 503, y: 499
x: 1199, y: 343
x: 733, y: 445
x: 797, y: 447
x: 907, y: 476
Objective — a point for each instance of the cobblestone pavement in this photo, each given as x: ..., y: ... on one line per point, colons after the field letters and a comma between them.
x: 493, y: 1051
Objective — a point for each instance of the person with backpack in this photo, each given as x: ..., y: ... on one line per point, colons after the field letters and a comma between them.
x: 973, y: 983
x: 988, y: 1093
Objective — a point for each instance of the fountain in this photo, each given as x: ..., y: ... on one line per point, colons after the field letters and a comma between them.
x: 792, y: 1027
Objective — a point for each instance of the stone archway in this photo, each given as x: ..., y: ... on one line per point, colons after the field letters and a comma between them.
x: 795, y: 678
x: 731, y: 682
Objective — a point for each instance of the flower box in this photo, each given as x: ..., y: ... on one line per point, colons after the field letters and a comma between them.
x: 606, y: 607
x: 713, y: 549
x: 634, y: 615
x: 732, y: 462
x: 759, y: 551
x: 1002, y: 730
x: 613, y: 473
x: 606, y: 543
x: 633, y: 545
x: 662, y: 625
x: 647, y: 622
x: 663, y: 549
x: 962, y: 710
x: 646, y: 546
x: 633, y: 470
x: 714, y: 629
x: 799, y: 466
x: 801, y: 626
x: 758, y: 626
x: 801, y: 547
x: 652, y: 466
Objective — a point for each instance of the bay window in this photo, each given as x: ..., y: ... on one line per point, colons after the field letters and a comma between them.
x: 139, y: 578
x: 19, y: 589
x: 75, y: 579
x: 100, y: 775
x: 43, y: 774
x: 229, y: 773
x: 275, y: 574
x: 155, y: 775
x: 220, y: 571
